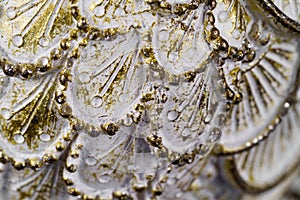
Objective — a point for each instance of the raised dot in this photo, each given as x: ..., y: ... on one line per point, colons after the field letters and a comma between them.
x: 214, y: 33
x: 19, y: 138
x: 163, y: 35
x: 73, y: 191
x: 43, y: 64
x: 81, y: 23
x: 236, y: 34
x: 90, y: 161
x: 286, y: 105
x: 65, y: 44
x: 203, y: 149
x: 56, y: 54
x: 124, y: 97
x: 178, y: 195
x: 96, y: 101
x: 208, y: 118
x: 223, y: 45
x: 172, y: 115
x: 19, y: 165
x: 17, y: 40
x: 211, y: 18
x: 104, y: 178
x: 110, y: 128
x: 163, y: 164
x: 71, y: 167
x: 99, y: 11
x: 66, y: 110
x: 9, y: 69
x: 92, y: 131
x: 26, y: 70
x: 43, y: 41
x: 173, y: 79
x: 60, y: 98
x: 60, y: 146
x: 221, y: 119
x: 250, y: 55
x: 255, y: 140
x: 11, y: 13
x: 127, y: 121
x: 74, y: 34
x: 45, y: 137
x: 223, y: 16
x: 5, y: 113
x: 84, y: 77
x: 174, y: 57
x: 186, y: 132
x: 70, y: 62
x: 264, y: 37
x: 215, y: 135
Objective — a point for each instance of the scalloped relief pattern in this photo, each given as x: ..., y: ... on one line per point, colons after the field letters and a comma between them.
x: 181, y: 99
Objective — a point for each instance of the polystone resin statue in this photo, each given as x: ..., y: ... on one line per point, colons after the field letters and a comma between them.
x: 149, y: 99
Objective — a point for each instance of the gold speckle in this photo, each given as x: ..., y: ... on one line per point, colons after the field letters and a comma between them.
x: 8, y: 69
x: 86, y: 197
x: 74, y: 153
x: 26, y: 70
x: 75, y: 53
x: 68, y: 181
x: 84, y: 42
x: 71, y: 167
x: 35, y: 163
x: 56, y: 54
x: 60, y: 146
x: 19, y: 165
x: 67, y: 137
x: 43, y: 64
x: 65, y: 110
x: 73, y: 191
x: 74, y: 34
x: 3, y: 158
x: 110, y: 128
x: 50, y: 158
x: 65, y: 44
